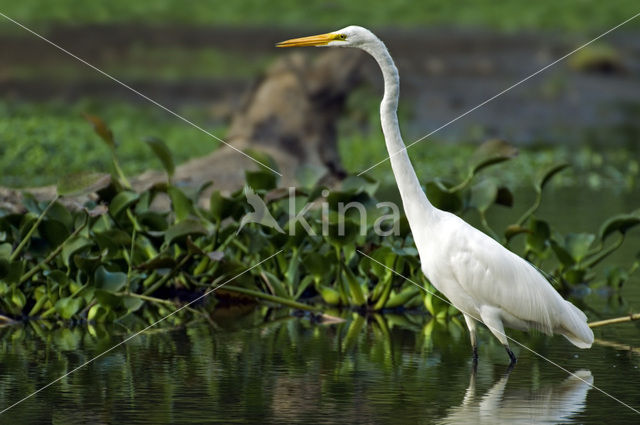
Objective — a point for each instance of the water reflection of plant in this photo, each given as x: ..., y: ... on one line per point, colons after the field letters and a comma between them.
x: 278, y: 366
x: 103, y: 264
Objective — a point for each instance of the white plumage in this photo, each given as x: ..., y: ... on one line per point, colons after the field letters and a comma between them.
x: 481, y: 278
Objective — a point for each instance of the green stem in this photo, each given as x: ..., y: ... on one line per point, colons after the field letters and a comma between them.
x: 160, y: 301
x: 166, y: 277
x: 531, y: 210
x: 461, y: 185
x: 53, y: 309
x: 133, y: 240
x: 488, y: 228
x: 26, y: 238
x: 271, y: 298
x: 119, y: 171
x: 146, y: 298
x: 28, y: 275
x: 603, y: 254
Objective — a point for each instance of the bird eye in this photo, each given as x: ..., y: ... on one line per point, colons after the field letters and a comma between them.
x: 342, y: 37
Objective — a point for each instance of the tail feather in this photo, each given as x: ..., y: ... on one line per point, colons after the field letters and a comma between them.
x: 574, y: 327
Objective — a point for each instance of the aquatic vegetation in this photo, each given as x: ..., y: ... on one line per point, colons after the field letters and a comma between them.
x: 576, y: 15
x: 120, y: 255
x: 38, y: 139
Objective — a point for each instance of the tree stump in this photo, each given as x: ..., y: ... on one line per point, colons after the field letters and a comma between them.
x: 290, y: 113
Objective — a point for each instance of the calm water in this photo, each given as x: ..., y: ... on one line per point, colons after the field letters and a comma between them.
x: 267, y: 366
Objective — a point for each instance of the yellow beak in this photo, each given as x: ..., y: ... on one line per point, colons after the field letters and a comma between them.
x: 314, y: 40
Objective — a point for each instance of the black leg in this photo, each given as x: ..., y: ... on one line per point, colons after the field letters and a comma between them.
x: 474, y: 361
x: 512, y: 358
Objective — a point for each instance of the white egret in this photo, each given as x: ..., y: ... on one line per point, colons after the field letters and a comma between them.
x: 480, y: 277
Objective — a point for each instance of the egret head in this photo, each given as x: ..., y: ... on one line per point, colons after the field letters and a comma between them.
x: 351, y: 36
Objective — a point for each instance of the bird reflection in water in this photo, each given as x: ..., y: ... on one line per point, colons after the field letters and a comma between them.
x: 547, y: 405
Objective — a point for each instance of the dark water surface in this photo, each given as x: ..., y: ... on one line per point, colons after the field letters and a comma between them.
x: 286, y: 369
x: 266, y: 366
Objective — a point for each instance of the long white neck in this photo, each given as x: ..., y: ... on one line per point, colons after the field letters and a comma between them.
x: 416, y: 205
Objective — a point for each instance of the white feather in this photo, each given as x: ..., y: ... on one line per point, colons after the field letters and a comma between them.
x: 480, y: 277
x: 483, y: 279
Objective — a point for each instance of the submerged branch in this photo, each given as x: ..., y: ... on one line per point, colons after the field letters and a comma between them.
x: 622, y: 319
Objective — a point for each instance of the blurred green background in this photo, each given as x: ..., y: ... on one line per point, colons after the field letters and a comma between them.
x: 198, y: 58
x: 514, y: 15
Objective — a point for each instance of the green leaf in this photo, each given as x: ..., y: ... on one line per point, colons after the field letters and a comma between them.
x: 435, y: 305
x: 483, y: 194
x: 341, y: 235
x: 546, y: 174
x: 77, y: 244
x: 57, y: 278
x: 121, y: 201
x: 82, y: 183
x: 182, y: 205
x: 279, y: 289
x: 304, y: 284
x: 317, y: 264
x: 218, y: 205
x: 98, y: 313
x: 163, y: 153
x: 159, y: 262
x: 489, y: 153
x: 538, y: 236
x: 183, y: 229
x: 109, y: 281
x: 357, y: 297
x: 67, y: 307
x: 5, y: 254
x: 563, y: 255
x: 619, y: 223
x: 101, y: 129
x: 574, y: 276
x: 132, y: 304
x: 616, y: 276
x: 577, y: 244
x: 403, y: 297
x: 53, y: 232
x: 18, y: 299
x: 108, y: 299
x: 383, y: 255
x: 308, y: 175
x: 329, y: 295
x: 264, y: 159
x: 87, y: 263
x: 261, y: 180
x: 112, y: 239
x: 440, y: 197
x: 358, y: 184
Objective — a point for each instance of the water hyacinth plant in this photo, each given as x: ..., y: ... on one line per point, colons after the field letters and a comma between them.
x: 118, y: 254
